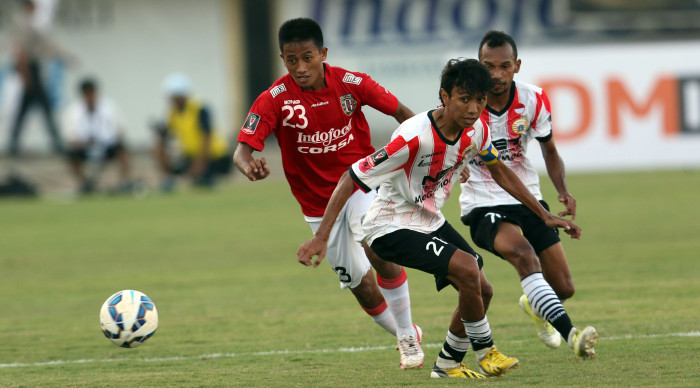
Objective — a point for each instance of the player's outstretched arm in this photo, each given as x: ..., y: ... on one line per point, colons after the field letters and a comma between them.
x: 556, y: 171
x: 254, y: 169
x: 318, y: 244
x: 506, y: 178
x: 402, y: 113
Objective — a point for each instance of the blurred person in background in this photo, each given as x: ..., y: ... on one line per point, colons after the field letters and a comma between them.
x: 95, y: 133
x: 518, y: 112
x: 204, y: 155
x: 31, y: 49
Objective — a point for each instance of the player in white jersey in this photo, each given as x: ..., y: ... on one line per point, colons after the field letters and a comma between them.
x: 415, y: 173
x: 517, y: 113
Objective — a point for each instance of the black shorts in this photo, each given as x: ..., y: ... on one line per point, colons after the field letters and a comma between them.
x: 483, y: 226
x: 81, y: 154
x: 426, y: 252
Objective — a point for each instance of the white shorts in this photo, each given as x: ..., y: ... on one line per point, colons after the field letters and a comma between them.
x: 345, y: 254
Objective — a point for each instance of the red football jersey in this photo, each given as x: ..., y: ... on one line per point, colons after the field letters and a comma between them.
x: 320, y: 133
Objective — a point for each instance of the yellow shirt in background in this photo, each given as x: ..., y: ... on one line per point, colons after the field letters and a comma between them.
x: 186, y: 128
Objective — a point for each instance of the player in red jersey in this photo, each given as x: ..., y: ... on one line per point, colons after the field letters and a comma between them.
x: 415, y: 173
x: 315, y: 112
x: 518, y: 112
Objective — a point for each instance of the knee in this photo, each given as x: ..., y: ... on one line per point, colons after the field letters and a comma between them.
x: 366, y: 289
x: 565, y: 289
x: 464, y: 275
x: 523, y: 258
x: 486, y: 291
x: 561, y: 282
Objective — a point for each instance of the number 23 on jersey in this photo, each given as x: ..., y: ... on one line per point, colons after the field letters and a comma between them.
x: 289, y: 111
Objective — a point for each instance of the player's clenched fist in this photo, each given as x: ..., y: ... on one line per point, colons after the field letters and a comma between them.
x: 310, y: 249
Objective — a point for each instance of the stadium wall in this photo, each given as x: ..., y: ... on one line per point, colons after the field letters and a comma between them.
x: 130, y: 46
x: 616, y: 106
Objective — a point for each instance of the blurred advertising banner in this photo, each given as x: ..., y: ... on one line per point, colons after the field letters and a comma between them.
x: 616, y: 106
x: 619, y: 107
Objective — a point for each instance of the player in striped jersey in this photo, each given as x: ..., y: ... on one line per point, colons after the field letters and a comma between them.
x: 415, y: 173
x: 518, y: 112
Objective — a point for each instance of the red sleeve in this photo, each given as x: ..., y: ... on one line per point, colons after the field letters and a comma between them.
x: 262, y: 119
x: 375, y: 95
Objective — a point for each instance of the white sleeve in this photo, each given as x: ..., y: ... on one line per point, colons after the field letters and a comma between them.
x: 368, y: 173
x: 118, y: 118
x: 72, y: 126
x: 542, y: 127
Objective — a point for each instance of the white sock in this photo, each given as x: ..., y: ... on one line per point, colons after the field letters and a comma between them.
x: 543, y: 300
x: 383, y: 317
x: 453, y: 351
x: 479, y: 332
x: 395, y: 293
x: 481, y: 353
x: 570, y: 339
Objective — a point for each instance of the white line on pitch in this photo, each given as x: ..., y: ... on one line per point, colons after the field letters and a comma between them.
x: 294, y: 352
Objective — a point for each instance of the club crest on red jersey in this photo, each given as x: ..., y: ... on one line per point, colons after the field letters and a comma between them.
x: 348, y: 103
x: 251, y: 122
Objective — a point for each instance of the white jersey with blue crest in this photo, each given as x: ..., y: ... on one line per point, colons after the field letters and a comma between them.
x: 526, y: 116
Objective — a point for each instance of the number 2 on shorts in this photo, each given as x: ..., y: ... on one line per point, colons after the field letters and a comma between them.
x: 433, y: 245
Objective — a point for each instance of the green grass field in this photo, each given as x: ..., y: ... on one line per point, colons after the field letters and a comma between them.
x: 236, y: 309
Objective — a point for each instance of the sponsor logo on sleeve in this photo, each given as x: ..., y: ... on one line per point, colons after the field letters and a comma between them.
x: 468, y: 151
x: 373, y: 160
x: 352, y: 79
x: 251, y: 123
x: 277, y: 90
x: 348, y: 103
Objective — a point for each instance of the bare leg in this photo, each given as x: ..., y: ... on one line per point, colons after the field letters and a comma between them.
x: 456, y: 325
x: 514, y: 247
x: 367, y: 293
x: 555, y: 270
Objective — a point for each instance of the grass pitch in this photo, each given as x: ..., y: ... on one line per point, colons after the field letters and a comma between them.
x: 236, y: 309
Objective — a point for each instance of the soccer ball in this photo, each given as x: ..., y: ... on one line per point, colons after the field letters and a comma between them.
x: 128, y: 318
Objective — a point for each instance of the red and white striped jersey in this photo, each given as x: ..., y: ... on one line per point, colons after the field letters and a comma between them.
x: 320, y: 133
x: 526, y: 116
x: 415, y: 173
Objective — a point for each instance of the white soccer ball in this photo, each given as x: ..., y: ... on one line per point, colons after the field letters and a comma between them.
x: 128, y: 318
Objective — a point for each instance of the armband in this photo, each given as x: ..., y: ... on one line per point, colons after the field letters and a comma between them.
x: 489, y: 155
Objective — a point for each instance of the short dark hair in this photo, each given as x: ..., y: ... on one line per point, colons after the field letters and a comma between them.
x: 87, y: 84
x: 300, y: 30
x: 497, y: 39
x: 465, y: 74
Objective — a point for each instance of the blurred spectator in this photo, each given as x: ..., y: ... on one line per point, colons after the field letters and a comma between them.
x: 31, y: 48
x: 95, y: 134
x: 204, y: 155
